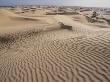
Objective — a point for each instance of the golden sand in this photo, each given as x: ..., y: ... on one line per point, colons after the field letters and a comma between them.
x: 41, y: 51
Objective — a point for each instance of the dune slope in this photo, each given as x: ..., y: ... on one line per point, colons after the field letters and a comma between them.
x: 56, y: 55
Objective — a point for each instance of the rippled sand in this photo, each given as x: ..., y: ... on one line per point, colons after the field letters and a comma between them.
x: 44, y: 54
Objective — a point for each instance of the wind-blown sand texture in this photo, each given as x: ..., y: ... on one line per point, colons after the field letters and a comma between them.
x: 47, y: 53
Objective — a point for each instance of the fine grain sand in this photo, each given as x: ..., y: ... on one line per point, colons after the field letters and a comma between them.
x: 47, y: 53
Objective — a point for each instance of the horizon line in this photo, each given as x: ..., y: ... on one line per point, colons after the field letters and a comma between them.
x: 50, y: 5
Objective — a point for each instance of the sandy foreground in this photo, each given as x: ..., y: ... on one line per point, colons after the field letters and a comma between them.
x: 36, y: 49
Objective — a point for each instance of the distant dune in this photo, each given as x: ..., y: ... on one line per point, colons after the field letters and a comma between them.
x: 37, y: 49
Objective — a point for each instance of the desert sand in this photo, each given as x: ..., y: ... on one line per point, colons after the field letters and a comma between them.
x: 34, y: 48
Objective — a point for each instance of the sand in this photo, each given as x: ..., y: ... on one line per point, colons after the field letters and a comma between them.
x: 39, y: 52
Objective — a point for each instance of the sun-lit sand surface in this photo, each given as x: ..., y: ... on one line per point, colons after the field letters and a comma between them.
x: 37, y: 49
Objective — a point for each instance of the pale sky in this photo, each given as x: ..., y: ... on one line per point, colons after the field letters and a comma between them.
x: 93, y: 3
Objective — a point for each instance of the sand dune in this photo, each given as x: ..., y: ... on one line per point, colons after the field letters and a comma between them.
x: 11, y: 19
x: 12, y: 22
x: 47, y: 53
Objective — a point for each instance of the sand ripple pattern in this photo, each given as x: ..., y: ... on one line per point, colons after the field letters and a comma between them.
x: 55, y: 56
